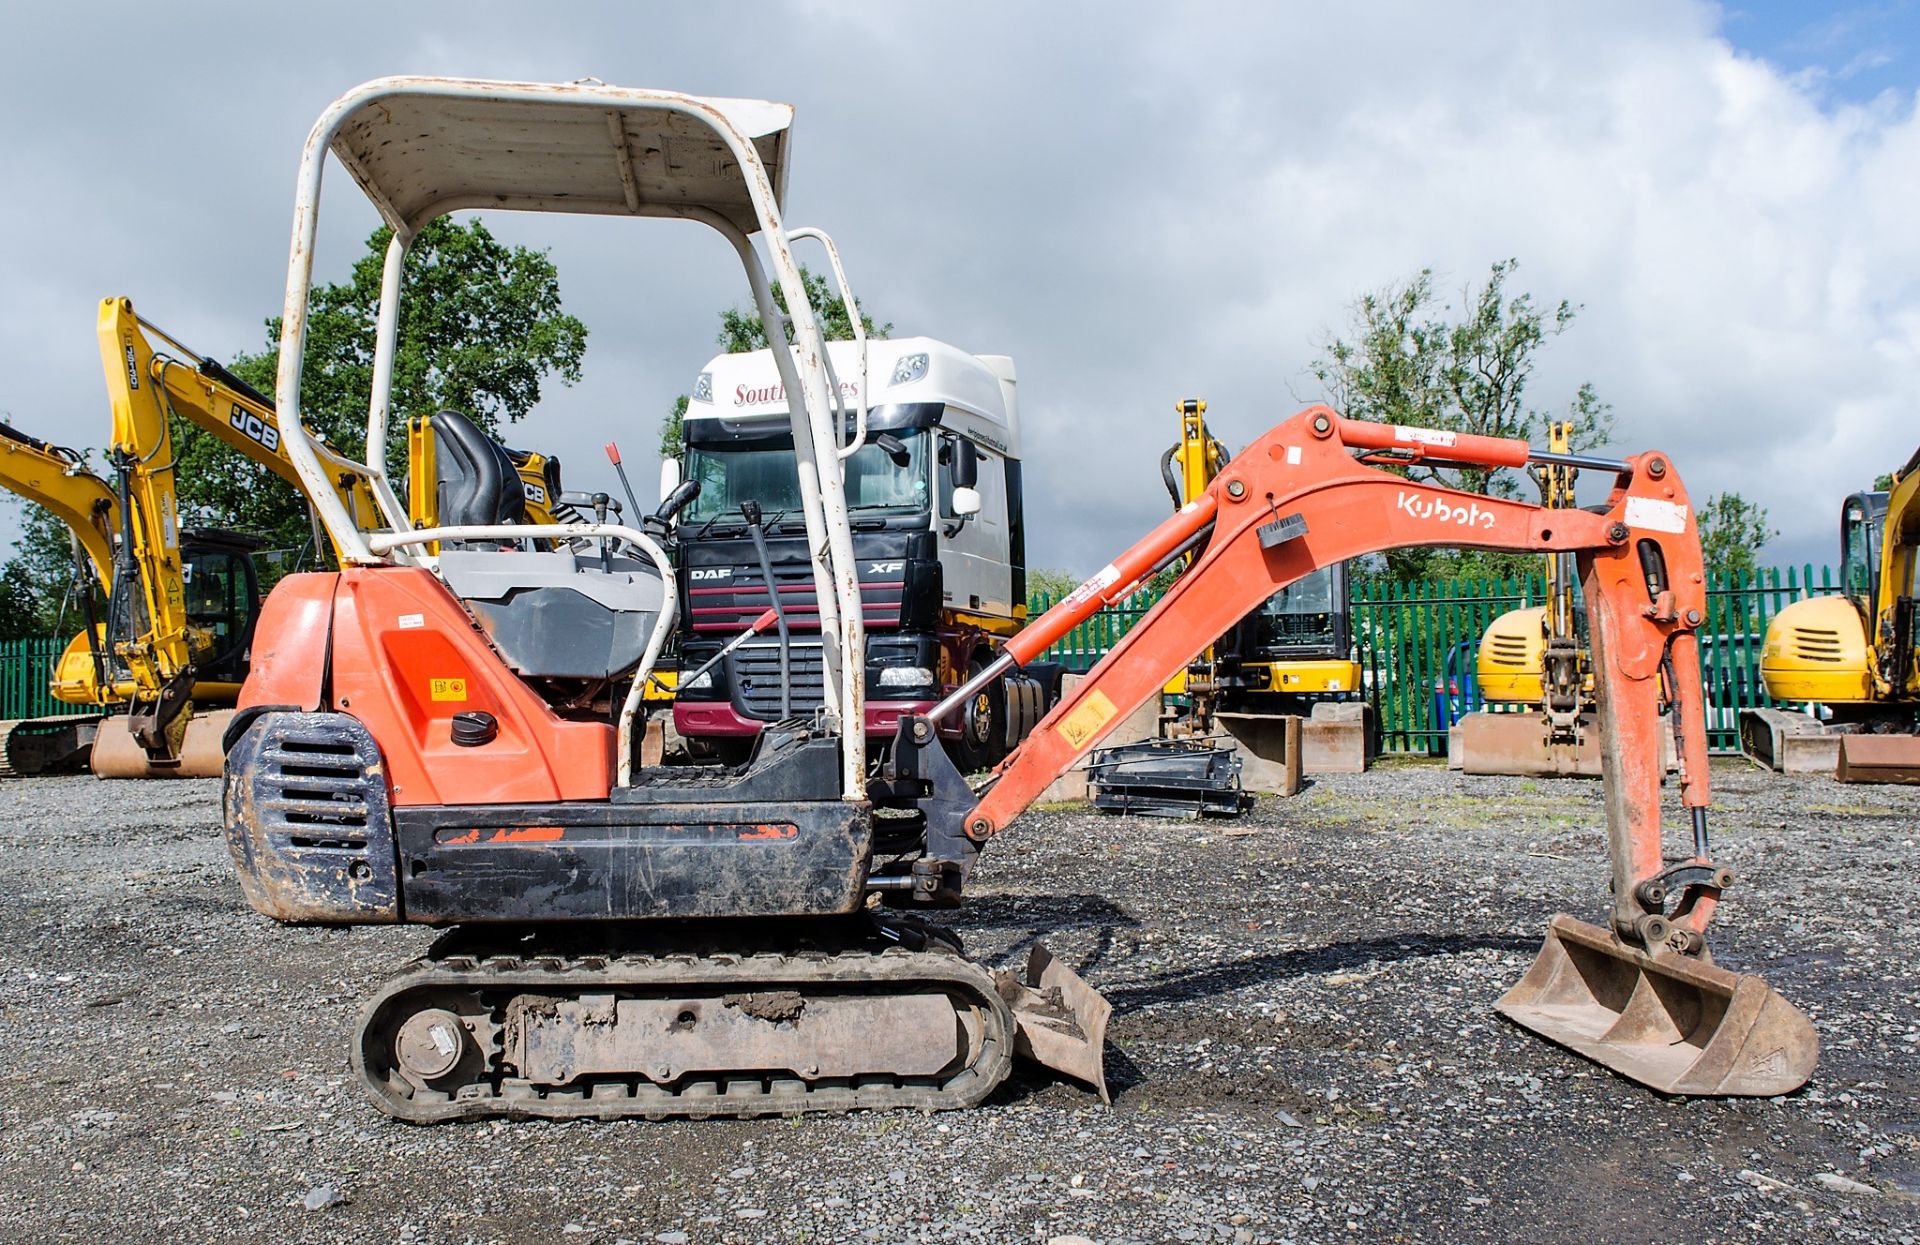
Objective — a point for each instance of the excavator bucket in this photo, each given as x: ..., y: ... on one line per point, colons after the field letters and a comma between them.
x: 117, y: 754
x: 1672, y: 1023
x: 1059, y: 1020
x: 1879, y: 758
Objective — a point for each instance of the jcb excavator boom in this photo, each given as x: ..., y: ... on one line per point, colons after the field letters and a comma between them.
x: 1642, y: 996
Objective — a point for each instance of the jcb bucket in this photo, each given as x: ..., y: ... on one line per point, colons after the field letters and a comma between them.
x: 117, y: 754
x: 1673, y: 1023
x: 1059, y: 1020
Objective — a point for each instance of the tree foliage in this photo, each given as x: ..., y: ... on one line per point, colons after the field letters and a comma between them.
x: 1054, y: 582
x: 481, y: 330
x: 742, y: 330
x: 1413, y: 359
x: 36, y: 583
x: 1733, y: 531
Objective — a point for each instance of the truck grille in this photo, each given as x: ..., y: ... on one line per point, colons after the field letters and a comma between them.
x: 728, y: 610
x: 754, y: 674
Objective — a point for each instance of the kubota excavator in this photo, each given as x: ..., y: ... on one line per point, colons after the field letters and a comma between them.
x: 172, y: 647
x: 1857, y: 653
x: 412, y: 743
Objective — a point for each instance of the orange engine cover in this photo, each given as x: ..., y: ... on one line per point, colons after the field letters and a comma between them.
x: 405, y: 658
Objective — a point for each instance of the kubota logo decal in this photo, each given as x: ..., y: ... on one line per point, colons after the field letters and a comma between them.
x: 1439, y: 510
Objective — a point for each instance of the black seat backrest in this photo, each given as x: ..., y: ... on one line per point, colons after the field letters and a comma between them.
x: 477, y: 484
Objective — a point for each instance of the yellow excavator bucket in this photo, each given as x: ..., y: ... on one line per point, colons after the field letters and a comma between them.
x: 117, y: 754
x: 1671, y: 1022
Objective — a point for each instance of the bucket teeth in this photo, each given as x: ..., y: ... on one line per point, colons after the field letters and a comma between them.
x: 1670, y: 1022
x: 1060, y: 1021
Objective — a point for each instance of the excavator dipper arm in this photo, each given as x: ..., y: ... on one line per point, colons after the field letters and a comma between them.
x: 1299, y: 499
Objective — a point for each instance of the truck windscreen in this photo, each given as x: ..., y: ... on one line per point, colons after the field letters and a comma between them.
x: 762, y: 469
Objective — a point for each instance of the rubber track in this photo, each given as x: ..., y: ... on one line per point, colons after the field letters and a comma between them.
x: 738, y: 1096
x: 8, y: 769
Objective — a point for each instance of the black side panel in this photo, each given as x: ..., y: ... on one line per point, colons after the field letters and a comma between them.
x: 1017, y: 532
x: 601, y: 862
x: 307, y: 822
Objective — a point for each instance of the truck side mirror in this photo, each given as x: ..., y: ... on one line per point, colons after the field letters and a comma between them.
x: 669, y: 477
x: 965, y: 471
x: 966, y: 501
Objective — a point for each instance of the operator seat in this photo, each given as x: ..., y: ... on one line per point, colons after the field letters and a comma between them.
x: 478, y: 484
x: 562, y: 610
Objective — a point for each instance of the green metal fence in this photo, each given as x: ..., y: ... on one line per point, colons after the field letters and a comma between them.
x: 26, y: 667
x: 1417, y: 644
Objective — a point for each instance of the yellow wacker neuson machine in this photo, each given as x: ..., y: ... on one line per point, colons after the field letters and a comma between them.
x: 1856, y: 653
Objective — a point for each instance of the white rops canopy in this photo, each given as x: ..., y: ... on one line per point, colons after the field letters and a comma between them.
x: 422, y: 147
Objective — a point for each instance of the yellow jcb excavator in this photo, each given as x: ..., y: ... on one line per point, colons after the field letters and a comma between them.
x: 1857, y: 653
x: 172, y: 649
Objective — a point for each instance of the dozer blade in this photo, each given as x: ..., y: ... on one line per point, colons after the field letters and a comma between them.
x: 117, y: 754
x: 1672, y: 1023
x: 1059, y: 1020
x: 1879, y: 758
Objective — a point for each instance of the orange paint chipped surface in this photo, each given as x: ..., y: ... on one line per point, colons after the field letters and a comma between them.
x: 764, y: 831
x: 527, y: 834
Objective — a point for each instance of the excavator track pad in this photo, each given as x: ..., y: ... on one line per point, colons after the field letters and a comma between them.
x: 1672, y: 1022
x: 685, y: 1022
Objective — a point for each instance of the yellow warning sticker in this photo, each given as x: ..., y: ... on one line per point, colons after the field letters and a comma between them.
x: 1083, y: 723
x: 448, y: 689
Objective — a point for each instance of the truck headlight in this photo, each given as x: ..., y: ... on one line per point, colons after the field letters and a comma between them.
x: 910, y: 368
x: 698, y: 683
x: 905, y: 676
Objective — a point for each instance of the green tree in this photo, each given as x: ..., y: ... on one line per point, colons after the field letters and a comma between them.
x: 36, y: 583
x: 1055, y: 583
x: 742, y: 330
x: 481, y: 329
x: 1733, y: 531
x: 1415, y: 360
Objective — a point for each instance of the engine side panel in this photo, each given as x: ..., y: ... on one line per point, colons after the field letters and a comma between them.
x: 407, y: 658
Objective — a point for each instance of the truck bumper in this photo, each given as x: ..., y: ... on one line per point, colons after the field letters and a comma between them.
x: 717, y: 719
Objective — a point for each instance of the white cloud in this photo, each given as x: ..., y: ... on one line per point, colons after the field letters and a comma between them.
x: 1139, y: 203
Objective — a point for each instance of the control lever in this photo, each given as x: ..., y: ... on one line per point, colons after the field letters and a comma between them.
x: 750, y: 511
x: 613, y: 456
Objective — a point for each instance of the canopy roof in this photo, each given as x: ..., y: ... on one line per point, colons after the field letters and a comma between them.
x: 421, y: 147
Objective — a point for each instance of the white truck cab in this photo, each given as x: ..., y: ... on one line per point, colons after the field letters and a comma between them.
x: 933, y: 495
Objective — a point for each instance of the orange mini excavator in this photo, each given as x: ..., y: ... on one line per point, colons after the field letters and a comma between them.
x: 445, y: 731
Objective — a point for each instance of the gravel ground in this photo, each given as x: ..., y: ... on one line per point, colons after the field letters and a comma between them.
x: 1303, y: 1047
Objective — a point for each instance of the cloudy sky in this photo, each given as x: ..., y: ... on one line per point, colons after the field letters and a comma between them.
x: 1138, y: 202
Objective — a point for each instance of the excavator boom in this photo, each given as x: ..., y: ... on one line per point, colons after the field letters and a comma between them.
x: 1639, y: 996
